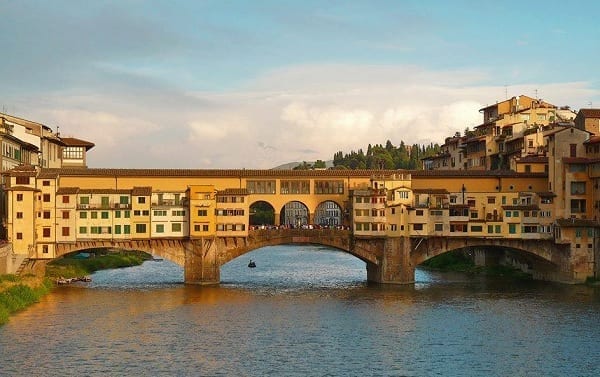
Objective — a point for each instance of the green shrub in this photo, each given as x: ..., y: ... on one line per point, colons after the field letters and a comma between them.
x: 20, y: 296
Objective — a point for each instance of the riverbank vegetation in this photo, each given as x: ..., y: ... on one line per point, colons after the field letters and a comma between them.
x: 83, y: 264
x: 458, y: 261
x: 17, y: 293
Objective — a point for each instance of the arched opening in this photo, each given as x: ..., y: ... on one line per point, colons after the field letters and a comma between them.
x: 262, y: 213
x: 294, y: 215
x: 328, y: 214
x: 84, y: 262
x: 295, y: 267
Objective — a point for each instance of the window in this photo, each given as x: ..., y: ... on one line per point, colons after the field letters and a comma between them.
x: 439, y: 227
x: 476, y: 228
x: 45, y: 249
x: 83, y: 215
x: 140, y: 228
x: 83, y: 230
x: 512, y: 228
x: 572, y: 150
x: 65, y: 214
x: 141, y: 200
x: 160, y: 228
x: 117, y: 214
x: 261, y: 187
x: 205, y: 228
x: 491, y: 199
x: 65, y: 199
x: 294, y: 187
x: 22, y: 180
x: 124, y: 200
x: 127, y: 214
x: 19, y: 215
x: 176, y: 227
x: 84, y: 200
x: 104, y: 215
x: 577, y: 188
x: 578, y: 205
x: 417, y: 226
x: 126, y: 229
x: 46, y: 198
x: 19, y: 197
x: 202, y: 212
x: 65, y: 231
x: 46, y: 214
x: 45, y: 183
x: 46, y: 232
x: 94, y: 215
x: 19, y: 235
x: 117, y: 229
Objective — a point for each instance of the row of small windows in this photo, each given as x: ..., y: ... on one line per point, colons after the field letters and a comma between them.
x: 295, y: 187
x: 371, y: 199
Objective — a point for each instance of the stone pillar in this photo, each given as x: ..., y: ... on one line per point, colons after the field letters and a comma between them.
x: 395, y: 266
x: 201, y: 262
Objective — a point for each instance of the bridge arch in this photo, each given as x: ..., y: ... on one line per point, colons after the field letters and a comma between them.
x: 261, y: 213
x: 294, y: 214
x: 542, y: 258
x: 169, y: 249
x: 337, y: 239
x: 328, y: 213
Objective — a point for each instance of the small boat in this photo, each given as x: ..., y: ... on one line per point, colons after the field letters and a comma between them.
x: 251, y: 264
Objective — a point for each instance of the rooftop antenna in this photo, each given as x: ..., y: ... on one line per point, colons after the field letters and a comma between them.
x: 536, y: 94
x: 590, y: 103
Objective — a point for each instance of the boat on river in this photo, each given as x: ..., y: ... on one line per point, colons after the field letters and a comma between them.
x: 251, y: 264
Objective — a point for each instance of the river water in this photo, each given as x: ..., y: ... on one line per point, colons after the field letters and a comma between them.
x: 304, y: 311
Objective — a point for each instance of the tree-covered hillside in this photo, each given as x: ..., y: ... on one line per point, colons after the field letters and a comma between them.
x: 385, y: 157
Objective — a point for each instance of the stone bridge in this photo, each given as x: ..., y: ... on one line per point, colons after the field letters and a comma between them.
x: 388, y: 259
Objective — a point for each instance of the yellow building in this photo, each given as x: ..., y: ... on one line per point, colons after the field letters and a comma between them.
x: 202, y: 210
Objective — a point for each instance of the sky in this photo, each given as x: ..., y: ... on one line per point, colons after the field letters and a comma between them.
x: 255, y: 84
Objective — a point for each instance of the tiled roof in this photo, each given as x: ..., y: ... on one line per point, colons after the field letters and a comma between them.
x: 73, y: 142
x: 103, y: 191
x: 546, y: 194
x: 141, y: 191
x: 589, y: 113
x: 21, y: 188
x: 567, y: 223
x: 67, y: 190
x: 430, y: 191
x: 521, y: 207
x: 475, y: 173
x: 243, y: 173
x: 579, y: 160
x: 232, y: 191
x: 592, y: 140
x: 533, y: 159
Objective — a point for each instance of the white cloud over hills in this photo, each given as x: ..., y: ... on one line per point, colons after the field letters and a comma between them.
x: 294, y: 114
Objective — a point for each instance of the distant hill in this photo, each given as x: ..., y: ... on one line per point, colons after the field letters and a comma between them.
x: 292, y: 165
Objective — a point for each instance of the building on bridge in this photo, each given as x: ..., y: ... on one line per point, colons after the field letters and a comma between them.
x: 552, y: 198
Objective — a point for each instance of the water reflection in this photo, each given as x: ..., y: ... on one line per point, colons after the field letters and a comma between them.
x: 303, y: 311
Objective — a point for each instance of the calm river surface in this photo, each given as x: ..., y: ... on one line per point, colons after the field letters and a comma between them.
x: 303, y: 311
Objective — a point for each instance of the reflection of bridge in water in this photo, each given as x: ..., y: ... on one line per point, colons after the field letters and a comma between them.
x: 388, y: 259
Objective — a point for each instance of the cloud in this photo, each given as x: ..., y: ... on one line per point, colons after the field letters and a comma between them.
x: 300, y: 113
